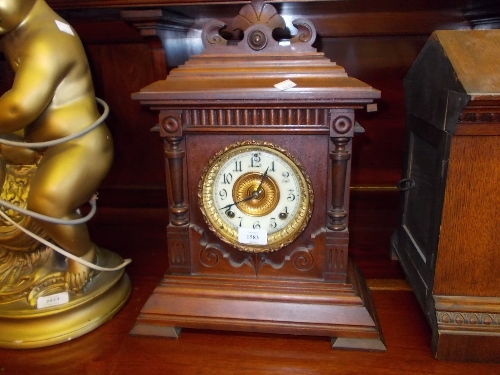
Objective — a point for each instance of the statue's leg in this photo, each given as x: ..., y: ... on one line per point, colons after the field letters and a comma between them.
x: 66, y: 178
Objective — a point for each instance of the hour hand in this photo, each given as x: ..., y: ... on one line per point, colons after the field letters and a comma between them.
x: 235, y: 203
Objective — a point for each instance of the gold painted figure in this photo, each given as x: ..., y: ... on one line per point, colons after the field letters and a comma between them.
x: 52, y: 97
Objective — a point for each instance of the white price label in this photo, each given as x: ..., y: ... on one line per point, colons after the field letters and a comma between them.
x: 252, y: 236
x: 64, y: 27
x: 285, y: 85
x: 52, y: 300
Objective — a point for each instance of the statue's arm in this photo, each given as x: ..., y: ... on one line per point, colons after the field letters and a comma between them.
x: 40, y: 71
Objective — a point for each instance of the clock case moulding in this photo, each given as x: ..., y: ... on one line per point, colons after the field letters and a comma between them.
x: 226, y: 95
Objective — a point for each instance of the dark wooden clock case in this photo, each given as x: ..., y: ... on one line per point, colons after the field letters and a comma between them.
x: 447, y: 240
x: 226, y: 95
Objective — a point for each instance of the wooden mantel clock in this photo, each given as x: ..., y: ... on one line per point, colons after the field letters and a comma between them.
x: 258, y: 188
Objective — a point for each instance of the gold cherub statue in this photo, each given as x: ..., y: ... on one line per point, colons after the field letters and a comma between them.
x: 52, y: 98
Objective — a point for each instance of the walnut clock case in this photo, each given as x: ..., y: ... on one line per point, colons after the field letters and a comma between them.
x: 258, y: 188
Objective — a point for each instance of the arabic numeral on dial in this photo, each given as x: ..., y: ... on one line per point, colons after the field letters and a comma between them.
x: 273, y: 224
x: 227, y: 178
x: 237, y: 166
x: 256, y: 225
x: 255, y: 161
x: 286, y: 176
x: 291, y: 195
x: 223, y: 194
x: 241, y: 220
x: 272, y: 167
x: 283, y: 214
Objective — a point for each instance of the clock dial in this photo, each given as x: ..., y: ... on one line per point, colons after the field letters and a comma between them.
x: 255, y: 196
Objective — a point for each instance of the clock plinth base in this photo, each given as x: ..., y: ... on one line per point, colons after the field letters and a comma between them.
x: 315, y: 308
x: 358, y: 344
x: 150, y: 330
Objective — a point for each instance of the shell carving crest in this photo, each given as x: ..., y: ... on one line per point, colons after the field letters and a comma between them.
x: 257, y: 21
x: 258, y: 12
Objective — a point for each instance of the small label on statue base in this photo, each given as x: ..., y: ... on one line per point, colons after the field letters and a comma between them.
x: 52, y: 300
x: 252, y: 236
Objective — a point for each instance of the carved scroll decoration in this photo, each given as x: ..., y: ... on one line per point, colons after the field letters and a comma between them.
x: 307, y: 33
x: 212, y: 253
x: 211, y: 34
x: 258, y: 21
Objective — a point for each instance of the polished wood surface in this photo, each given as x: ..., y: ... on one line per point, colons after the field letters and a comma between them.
x: 475, y: 273
x: 448, y: 235
x: 110, y: 350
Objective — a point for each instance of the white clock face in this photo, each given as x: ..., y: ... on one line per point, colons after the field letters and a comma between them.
x: 256, y: 197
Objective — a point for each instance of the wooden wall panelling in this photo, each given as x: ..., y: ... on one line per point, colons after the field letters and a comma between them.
x: 134, y: 145
x: 382, y: 63
x: 136, y: 149
x: 483, y: 15
x: 164, y: 31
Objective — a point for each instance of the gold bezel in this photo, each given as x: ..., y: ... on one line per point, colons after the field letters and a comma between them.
x: 212, y: 216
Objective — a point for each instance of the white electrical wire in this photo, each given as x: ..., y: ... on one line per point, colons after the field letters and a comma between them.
x: 53, y: 220
x: 63, y: 139
x: 61, y: 251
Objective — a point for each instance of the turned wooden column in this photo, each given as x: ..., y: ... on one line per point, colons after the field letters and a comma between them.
x: 337, y: 236
x: 339, y: 158
x: 177, y: 229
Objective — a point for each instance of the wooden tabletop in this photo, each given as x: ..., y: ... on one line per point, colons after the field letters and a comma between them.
x: 110, y: 350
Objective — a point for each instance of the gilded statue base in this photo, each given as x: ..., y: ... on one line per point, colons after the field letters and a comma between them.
x: 30, y: 270
x: 23, y: 326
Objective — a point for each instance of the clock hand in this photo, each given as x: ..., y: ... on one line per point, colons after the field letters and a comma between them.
x: 262, y: 180
x: 235, y: 203
x: 251, y: 196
